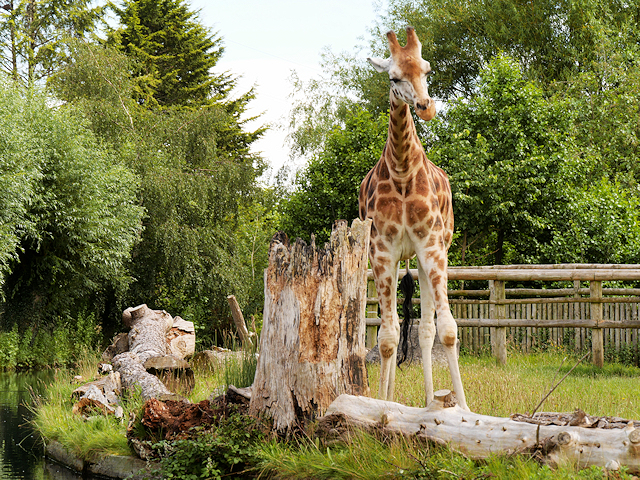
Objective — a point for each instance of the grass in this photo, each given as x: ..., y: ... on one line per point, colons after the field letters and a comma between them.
x: 491, y: 390
x: 369, y: 458
x: 518, y: 386
x: 103, y: 435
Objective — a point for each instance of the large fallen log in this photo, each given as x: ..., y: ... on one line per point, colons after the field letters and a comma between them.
x: 479, y: 436
x: 150, y: 357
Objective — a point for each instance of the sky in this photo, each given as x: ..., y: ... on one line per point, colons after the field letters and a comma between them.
x: 265, y: 40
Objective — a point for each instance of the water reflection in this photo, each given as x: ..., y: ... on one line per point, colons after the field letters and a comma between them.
x: 21, y: 452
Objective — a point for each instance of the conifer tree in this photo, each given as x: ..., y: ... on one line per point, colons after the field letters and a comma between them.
x: 174, y: 53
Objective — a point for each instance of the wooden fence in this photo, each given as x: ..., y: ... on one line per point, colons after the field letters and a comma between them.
x: 582, y: 316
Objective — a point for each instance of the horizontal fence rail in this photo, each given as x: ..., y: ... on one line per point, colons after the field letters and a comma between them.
x: 581, y: 318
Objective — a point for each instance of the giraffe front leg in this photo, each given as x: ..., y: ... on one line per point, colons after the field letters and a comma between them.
x: 434, y: 264
x: 447, y: 329
x: 386, y: 279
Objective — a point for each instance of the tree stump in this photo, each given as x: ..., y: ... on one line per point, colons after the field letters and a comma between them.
x: 312, y: 346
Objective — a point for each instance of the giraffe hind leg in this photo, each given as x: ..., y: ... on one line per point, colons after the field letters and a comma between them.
x: 427, y: 333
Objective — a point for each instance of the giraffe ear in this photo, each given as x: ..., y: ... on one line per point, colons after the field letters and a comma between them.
x: 380, y: 64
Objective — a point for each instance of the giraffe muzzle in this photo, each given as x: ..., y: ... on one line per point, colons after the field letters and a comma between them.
x: 426, y: 110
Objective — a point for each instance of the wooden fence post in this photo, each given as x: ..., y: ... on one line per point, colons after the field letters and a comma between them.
x: 597, y: 338
x: 498, y: 311
x: 372, y: 312
x: 238, y: 319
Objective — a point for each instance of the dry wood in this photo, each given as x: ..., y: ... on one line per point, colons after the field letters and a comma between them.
x: 480, y: 436
x: 181, y: 339
x: 497, y: 311
x: 597, y: 340
x: 238, y: 319
x: 312, y: 343
x: 133, y: 375
x: 148, y: 334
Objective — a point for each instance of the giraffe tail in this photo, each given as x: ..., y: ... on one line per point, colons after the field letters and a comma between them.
x: 407, y: 286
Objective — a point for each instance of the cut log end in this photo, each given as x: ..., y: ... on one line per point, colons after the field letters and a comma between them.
x: 443, y: 399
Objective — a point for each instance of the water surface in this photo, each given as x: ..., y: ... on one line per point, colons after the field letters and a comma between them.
x: 21, y: 450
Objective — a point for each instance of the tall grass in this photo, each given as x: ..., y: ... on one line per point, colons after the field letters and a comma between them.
x: 102, y: 435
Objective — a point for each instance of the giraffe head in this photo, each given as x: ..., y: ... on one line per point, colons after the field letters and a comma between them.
x: 408, y: 73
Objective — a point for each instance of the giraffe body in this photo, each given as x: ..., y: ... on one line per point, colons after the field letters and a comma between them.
x: 408, y: 199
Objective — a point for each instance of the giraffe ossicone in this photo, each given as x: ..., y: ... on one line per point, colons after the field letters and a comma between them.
x: 408, y: 199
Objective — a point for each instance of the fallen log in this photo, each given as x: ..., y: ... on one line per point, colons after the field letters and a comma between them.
x: 133, y: 375
x: 479, y: 436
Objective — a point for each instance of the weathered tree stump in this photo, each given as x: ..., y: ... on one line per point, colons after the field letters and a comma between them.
x: 312, y: 346
x: 557, y: 438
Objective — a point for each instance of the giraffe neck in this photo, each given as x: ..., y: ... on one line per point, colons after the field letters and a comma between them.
x: 403, y: 150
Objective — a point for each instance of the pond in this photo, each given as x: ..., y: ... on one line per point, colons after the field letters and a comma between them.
x: 21, y: 450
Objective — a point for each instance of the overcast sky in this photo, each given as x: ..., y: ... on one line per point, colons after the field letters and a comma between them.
x: 266, y: 39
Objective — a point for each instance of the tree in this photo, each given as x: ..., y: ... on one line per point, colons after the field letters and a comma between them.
x: 327, y: 189
x: 174, y: 54
x: 198, y: 179
x: 71, y: 220
x: 520, y: 193
x: 33, y: 35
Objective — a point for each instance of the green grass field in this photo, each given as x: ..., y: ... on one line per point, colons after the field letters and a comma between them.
x: 491, y: 390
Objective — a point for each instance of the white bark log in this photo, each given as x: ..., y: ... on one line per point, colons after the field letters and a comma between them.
x: 134, y: 375
x: 313, y: 337
x: 149, y: 328
x: 478, y: 436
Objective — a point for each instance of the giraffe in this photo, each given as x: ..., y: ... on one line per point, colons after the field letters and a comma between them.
x: 408, y: 199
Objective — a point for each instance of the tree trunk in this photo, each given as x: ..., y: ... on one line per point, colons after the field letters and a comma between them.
x: 312, y: 345
x: 559, y: 438
x: 148, y: 334
x: 154, y: 333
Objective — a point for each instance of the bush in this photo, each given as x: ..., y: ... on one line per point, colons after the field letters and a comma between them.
x: 226, y: 449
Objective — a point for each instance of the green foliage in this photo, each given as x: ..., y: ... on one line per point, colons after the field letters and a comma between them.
x: 198, y: 183
x: 71, y: 219
x: 59, y: 343
x: 9, y: 346
x: 228, y: 448
x: 520, y: 190
x: 33, y: 35
x: 174, y: 54
x: 327, y: 189
x: 504, y: 151
x: 605, y: 101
